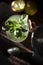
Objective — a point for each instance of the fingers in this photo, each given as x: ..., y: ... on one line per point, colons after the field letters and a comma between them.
x: 32, y: 26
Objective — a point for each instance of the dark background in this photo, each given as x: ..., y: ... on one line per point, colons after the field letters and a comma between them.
x: 5, y: 12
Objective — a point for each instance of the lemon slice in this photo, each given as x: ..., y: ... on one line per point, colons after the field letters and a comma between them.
x: 18, y: 5
x: 31, y: 8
